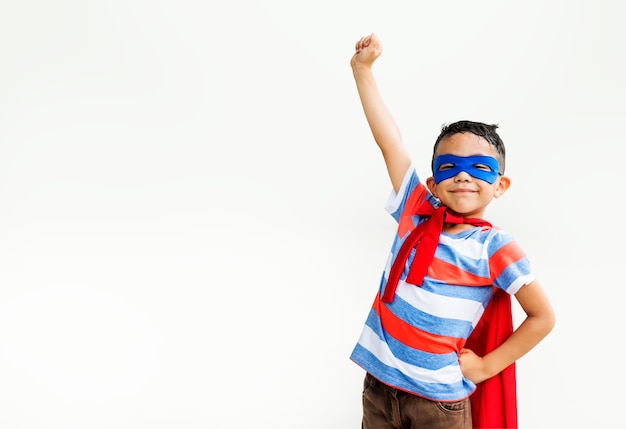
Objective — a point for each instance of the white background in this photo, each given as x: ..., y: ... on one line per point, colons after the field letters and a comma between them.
x: 191, y: 204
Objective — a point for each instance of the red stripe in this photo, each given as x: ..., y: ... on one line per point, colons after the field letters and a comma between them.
x: 415, y: 199
x: 505, y: 256
x: 453, y: 275
x: 413, y: 337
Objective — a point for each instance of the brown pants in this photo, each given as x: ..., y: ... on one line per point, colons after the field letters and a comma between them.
x: 385, y: 407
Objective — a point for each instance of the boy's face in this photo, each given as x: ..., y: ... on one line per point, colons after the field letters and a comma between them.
x: 465, y: 193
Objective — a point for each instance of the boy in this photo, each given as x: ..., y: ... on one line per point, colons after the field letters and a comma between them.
x: 438, y: 345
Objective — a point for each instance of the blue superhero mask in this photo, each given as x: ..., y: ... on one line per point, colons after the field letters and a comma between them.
x: 478, y: 166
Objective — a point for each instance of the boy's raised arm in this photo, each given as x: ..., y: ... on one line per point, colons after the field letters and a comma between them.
x: 384, y: 128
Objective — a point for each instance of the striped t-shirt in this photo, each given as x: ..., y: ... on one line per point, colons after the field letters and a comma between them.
x: 413, y: 342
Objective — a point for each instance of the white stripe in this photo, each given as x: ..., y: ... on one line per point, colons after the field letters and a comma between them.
x: 466, y: 247
x: 439, y: 305
x: 519, y: 282
x: 371, y: 341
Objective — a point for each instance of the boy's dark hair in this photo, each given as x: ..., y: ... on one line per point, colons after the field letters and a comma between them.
x: 486, y: 131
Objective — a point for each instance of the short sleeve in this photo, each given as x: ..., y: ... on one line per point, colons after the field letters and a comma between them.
x: 509, y: 266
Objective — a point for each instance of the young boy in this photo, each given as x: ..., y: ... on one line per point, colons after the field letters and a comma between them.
x: 438, y: 345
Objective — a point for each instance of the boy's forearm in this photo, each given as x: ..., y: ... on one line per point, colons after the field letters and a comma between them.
x: 384, y: 128
x: 525, y: 338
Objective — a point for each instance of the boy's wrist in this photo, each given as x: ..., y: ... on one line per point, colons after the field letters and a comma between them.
x: 361, y: 69
x: 491, y: 366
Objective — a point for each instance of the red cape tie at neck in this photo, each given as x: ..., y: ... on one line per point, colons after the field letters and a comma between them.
x: 424, y: 238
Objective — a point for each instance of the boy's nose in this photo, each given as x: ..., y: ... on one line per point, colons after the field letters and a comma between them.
x: 462, y: 176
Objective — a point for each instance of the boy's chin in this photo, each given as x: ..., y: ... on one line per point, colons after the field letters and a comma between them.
x: 466, y: 210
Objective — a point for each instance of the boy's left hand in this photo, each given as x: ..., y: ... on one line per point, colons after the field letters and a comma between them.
x: 472, y: 366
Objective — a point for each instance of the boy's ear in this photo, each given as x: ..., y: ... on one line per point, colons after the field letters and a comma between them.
x: 430, y: 184
x: 503, y: 184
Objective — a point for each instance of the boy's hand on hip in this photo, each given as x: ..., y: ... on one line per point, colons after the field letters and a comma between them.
x: 472, y: 366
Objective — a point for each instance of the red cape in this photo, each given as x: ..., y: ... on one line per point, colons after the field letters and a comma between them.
x: 494, y: 402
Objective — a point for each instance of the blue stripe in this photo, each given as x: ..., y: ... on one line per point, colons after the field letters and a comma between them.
x: 472, y: 293
x: 497, y: 239
x: 478, y: 267
x: 512, y: 272
x: 429, y: 323
x: 395, y: 378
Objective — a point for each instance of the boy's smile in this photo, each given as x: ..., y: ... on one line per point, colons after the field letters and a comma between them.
x: 463, y: 193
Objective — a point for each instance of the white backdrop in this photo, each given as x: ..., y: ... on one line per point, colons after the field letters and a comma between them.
x: 192, y: 225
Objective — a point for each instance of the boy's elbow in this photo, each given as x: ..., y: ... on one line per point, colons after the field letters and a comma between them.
x: 549, y: 320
